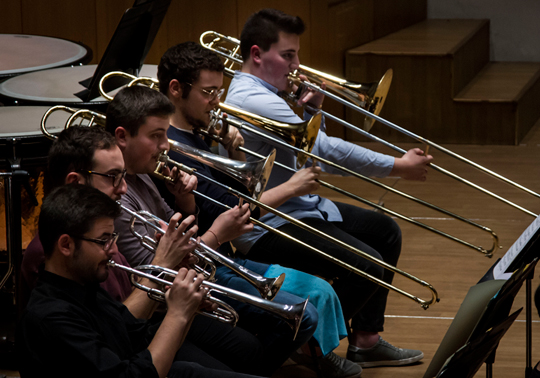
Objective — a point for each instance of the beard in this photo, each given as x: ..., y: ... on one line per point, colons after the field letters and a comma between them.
x: 196, y: 123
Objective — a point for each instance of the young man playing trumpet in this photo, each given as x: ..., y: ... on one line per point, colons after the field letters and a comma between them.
x: 90, y: 156
x: 191, y: 77
x: 139, y: 118
x: 71, y: 327
x: 270, y: 41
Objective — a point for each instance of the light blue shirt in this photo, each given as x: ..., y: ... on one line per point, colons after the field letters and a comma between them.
x: 252, y: 94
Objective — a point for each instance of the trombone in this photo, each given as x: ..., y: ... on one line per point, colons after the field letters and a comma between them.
x: 225, y: 313
x: 267, y: 287
x: 305, y: 142
x: 301, y: 138
x: 370, y: 96
x: 165, y: 160
x: 231, y: 57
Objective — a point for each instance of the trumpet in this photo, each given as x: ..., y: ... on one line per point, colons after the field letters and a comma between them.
x: 225, y: 313
x: 227, y: 47
x: 267, y: 287
x: 165, y: 160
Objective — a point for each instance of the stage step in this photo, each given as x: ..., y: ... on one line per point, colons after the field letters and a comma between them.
x: 501, y: 104
x: 436, y: 63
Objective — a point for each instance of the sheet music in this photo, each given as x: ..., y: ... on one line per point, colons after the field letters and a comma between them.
x: 500, y: 269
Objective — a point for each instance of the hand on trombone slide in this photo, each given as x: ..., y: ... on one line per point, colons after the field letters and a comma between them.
x: 412, y: 165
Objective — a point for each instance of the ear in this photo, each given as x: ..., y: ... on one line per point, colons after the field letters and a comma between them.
x: 175, y: 89
x: 255, y: 53
x: 75, y: 178
x: 121, y: 136
x: 65, y: 245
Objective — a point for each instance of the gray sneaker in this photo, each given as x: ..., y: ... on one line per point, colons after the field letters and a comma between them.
x: 332, y: 365
x: 383, y: 354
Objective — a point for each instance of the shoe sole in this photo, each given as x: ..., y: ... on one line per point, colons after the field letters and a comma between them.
x: 405, y: 361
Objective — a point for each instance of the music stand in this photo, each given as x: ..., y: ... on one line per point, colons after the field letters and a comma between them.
x: 128, y: 46
x: 486, y: 305
x: 468, y: 359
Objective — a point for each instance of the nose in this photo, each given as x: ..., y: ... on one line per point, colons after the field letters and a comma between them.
x: 164, y: 143
x: 121, y: 189
x: 295, y: 63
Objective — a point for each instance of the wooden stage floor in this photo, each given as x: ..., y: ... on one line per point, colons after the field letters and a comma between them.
x: 450, y: 267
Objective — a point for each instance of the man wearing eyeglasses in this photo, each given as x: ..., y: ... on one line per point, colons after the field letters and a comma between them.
x: 71, y: 327
x: 76, y: 153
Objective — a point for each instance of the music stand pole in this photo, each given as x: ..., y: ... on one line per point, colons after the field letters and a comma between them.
x: 528, y: 324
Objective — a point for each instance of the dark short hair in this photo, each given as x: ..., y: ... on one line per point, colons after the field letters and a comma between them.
x: 262, y: 29
x: 73, y: 151
x: 72, y: 209
x: 132, y: 105
x: 184, y: 63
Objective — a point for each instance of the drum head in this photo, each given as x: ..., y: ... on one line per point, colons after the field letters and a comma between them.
x: 20, y: 53
x: 56, y: 86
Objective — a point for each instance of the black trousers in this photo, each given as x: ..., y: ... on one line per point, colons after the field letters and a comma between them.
x: 376, y: 234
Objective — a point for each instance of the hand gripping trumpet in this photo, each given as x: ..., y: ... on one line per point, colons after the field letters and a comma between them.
x: 163, y: 277
x: 268, y: 287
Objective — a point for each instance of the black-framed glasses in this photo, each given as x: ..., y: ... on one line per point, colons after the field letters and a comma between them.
x: 213, y: 94
x: 106, y: 244
x: 116, y: 178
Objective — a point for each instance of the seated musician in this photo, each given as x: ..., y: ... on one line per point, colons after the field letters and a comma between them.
x: 72, y: 327
x: 191, y: 77
x: 270, y: 41
x: 90, y: 156
x: 139, y: 118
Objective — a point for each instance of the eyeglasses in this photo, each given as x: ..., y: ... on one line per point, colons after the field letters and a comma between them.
x: 116, y: 178
x: 213, y: 94
x: 107, y: 243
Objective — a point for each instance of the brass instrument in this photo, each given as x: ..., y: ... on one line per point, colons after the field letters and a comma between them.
x: 238, y: 113
x: 163, y: 277
x: 301, y: 137
x: 165, y: 160
x: 369, y: 96
x: 145, y: 81
x: 93, y: 118
x: 253, y: 175
x: 306, y: 145
x: 227, y: 47
x: 268, y: 287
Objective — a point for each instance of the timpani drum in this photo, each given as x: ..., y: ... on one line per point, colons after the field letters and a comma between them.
x: 56, y: 86
x: 21, y: 137
x: 22, y: 53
